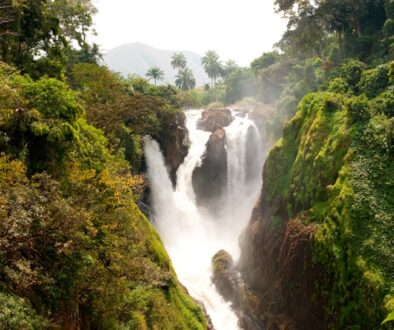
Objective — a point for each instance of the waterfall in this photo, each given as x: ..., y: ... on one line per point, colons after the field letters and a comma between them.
x: 190, y: 234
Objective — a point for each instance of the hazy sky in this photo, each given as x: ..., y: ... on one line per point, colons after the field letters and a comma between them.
x: 236, y: 29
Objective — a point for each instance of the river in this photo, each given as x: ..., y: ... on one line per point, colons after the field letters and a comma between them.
x: 189, y: 232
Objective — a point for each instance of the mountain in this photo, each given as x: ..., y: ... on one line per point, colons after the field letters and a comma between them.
x: 137, y: 58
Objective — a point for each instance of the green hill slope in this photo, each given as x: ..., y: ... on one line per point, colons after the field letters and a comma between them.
x: 320, y: 244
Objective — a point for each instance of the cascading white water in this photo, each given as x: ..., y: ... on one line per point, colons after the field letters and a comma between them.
x: 190, y: 235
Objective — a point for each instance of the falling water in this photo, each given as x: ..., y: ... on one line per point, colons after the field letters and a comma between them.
x: 190, y: 234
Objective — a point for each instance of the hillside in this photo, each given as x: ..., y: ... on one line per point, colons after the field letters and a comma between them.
x: 138, y: 58
x: 323, y: 223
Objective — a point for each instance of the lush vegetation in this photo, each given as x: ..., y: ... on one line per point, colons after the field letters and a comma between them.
x: 333, y: 168
x: 75, y: 250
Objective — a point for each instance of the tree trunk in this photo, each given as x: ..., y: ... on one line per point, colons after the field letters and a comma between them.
x: 355, y: 4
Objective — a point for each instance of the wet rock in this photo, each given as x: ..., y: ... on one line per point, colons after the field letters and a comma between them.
x: 225, y: 277
x: 203, y: 309
x: 209, y: 180
x: 174, y: 142
x: 146, y: 210
x: 272, y: 255
x: 228, y: 282
x: 207, y: 317
x: 212, y: 119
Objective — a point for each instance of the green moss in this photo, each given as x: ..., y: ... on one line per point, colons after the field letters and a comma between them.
x: 168, y: 307
x: 172, y: 309
x: 334, y: 167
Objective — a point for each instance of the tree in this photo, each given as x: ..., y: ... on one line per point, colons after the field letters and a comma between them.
x: 178, y: 61
x: 37, y: 35
x: 229, y: 67
x: 212, y: 66
x: 264, y: 61
x: 75, y: 18
x: 315, y: 28
x: 76, y: 23
x: 155, y: 73
x: 185, y: 79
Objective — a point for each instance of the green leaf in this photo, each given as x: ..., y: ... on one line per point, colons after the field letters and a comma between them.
x: 389, y: 318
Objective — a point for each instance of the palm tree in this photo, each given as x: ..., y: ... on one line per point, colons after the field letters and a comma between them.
x: 230, y: 66
x: 178, y: 61
x: 212, y: 65
x: 185, y: 79
x: 155, y: 73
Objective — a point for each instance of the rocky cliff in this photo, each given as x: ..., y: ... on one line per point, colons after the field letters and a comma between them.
x: 210, y: 178
x: 317, y: 252
x: 174, y: 141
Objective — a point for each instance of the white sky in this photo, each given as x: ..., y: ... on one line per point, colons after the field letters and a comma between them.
x: 238, y: 29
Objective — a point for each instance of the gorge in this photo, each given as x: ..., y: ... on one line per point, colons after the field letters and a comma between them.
x: 192, y: 233
x: 260, y: 198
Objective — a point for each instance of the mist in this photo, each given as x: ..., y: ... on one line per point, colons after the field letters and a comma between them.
x: 191, y: 233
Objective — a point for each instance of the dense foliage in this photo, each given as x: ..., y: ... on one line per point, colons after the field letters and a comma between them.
x: 328, y: 182
x: 73, y: 242
x: 75, y: 250
x: 334, y: 168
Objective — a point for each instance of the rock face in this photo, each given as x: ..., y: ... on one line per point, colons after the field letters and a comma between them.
x: 214, y: 118
x: 277, y: 269
x: 229, y: 284
x: 225, y: 277
x: 210, y: 178
x: 277, y: 247
x: 301, y: 251
x: 174, y: 142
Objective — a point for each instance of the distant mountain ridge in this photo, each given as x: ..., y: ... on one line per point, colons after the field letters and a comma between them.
x: 137, y: 58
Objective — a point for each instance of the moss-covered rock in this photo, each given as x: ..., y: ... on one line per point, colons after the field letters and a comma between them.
x: 318, y: 250
x: 225, y: 277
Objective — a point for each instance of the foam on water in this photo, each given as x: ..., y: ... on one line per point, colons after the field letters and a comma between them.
x: 192, y: 236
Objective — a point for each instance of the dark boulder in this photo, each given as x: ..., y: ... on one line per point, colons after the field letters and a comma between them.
x: 225, y: 277
x: 210, y: 178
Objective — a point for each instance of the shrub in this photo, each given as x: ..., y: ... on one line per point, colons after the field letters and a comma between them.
x: 373, y: 82
x: 358, y: 109
x: 53, y: 98
x: 351, y: 72
x: 215, y: 105
x: 384, y: 104
x: 338, y: 85
x: 17, y: 314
